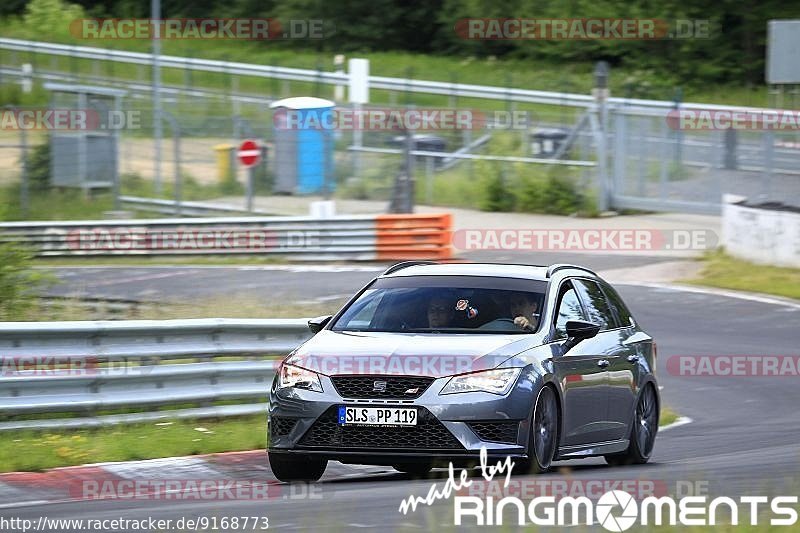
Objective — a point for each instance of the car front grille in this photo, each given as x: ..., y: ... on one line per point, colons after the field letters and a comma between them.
x: 428, y: 434
x: 503, y: 432
x: 394, y: 387
x: 280, y: 425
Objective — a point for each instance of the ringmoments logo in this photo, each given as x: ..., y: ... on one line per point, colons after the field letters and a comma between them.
x: 615, y: 510
x: 605, y: 510
x: 618, y: 510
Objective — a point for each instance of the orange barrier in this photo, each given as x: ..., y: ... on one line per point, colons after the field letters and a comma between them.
x: 414, y: 236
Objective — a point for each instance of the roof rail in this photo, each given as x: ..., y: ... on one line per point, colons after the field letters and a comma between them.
x: 552, y: 269
x: 405, y: 264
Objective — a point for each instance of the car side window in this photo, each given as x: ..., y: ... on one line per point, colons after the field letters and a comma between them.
x: 597, y: 306
x: 625, y: 317
x: 569, y: 308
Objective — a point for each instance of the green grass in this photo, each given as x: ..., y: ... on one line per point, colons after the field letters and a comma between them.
x: 75, y: 204
x: 233, y: 306
x: 66, y: 204
x: 668, y: 416
x: 39, y: 450
x: 521, y: 73
x: 50, y: 449
x: 726, y: 272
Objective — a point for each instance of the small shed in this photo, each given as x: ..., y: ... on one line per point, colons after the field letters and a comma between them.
x: 86, y: 153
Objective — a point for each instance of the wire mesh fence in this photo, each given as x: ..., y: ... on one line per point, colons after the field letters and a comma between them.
x: 513, y: 156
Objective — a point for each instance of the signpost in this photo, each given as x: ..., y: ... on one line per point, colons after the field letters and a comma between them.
x: 249, y: 155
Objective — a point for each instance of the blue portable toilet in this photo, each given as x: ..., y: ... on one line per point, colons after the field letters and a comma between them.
x: 303, y: 135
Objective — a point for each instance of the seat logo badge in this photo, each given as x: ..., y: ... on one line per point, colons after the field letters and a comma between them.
x: 412, y: 391
x: 379, y: 386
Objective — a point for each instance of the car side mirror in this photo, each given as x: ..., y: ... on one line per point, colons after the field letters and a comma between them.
x: 316, y: 324
x: 578, y: 330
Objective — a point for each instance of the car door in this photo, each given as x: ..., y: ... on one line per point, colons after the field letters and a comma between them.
x: 613, y: 344
x: 582, y: 377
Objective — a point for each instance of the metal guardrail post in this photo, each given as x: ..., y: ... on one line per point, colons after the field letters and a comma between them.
x: 176, y: 146
x: 24, y: 190
x: 599, y: 122
x: 25, y: 186
x: 155, y: 15
x: 678, y: 132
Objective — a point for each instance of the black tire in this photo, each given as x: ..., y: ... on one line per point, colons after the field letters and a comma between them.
x: 543, y: 437
x: 414, y: 469
x: 291, y: 468
x: 643, y: 431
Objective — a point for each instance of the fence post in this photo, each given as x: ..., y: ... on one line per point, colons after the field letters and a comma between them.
x: 357, y: 95
x: 620, y: 151
x: 678, y: 132
x: 429, y: 180
x: 24, y: 190
x: 601, y: 94
x: 176, y: 144
x: 155, y: 14
x: 338, y: 68
x: 768, y: 139
x: 178, y: 192
x: 730, y: 161
x: 453, y: 96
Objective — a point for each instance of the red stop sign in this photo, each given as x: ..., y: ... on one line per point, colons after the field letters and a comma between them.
x: 249, y: 153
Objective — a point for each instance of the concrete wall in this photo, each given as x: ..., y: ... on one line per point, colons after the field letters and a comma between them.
x: 764, y: 236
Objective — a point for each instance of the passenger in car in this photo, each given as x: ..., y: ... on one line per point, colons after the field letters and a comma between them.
x: 523, y: 308
x: 440, y: 312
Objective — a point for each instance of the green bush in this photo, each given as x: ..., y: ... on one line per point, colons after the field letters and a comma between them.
x: 10, y: 94
x: 18, y: 282
x: 554, y: 195
x: 38, y: 162
x: 51, y: 17
x: 498, y: 196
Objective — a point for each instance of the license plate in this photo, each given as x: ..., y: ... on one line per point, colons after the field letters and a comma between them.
x: 377, y: 416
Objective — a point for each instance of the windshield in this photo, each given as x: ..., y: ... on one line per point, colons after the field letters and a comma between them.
x: 438, y: 304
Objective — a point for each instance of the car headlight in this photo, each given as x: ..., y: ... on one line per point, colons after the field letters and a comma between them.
x: 294, y: 376
x: 494, y: 381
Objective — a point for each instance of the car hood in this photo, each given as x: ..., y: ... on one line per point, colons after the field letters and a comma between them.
x: 378, y: 353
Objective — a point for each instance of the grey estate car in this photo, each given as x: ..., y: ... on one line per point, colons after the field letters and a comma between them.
x: 430, y: 362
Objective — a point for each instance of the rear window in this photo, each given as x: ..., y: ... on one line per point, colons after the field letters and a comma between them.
x: 596, y: 304
x: 446, y: 304
x: 625, y: 317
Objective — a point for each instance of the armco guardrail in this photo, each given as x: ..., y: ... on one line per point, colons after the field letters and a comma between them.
x: 84, y: 369
x: 376, y: 82
x: 364, y: 237
x: 187, y: 208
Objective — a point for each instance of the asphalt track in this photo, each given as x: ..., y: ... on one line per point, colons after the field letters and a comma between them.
x: 744, y: 438
x: 304, y: 282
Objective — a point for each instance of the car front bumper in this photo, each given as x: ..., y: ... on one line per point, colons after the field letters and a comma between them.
x: 452, y: 427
